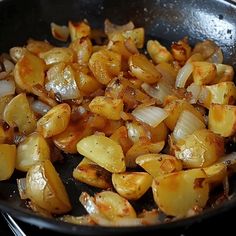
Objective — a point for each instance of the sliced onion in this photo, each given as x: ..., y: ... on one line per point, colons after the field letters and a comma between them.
x: 195, y: 90
x: 8, y: 65
x: 3, y: 75
x: 78, y: 220
x: 7, y: 87
x: 40, y: 107
x: 21, y: 185
x: 186, y: 125
x: 151, y: 115
x: 60, y: 32
x: 183, y: 75
x: 216, y: 57
x: 111, y: 28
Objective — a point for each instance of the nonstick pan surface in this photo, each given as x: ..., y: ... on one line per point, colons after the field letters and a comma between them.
x: 166, y: 21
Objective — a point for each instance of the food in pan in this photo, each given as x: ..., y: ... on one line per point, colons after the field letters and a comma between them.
x: 143, y: 117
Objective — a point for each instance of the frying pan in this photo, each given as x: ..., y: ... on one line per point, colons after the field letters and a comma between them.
x: 166, y: 21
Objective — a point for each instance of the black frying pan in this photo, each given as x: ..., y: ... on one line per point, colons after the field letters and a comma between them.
x: 166, y: 21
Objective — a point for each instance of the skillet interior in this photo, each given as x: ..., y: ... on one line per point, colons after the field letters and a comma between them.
x: 166, y: 21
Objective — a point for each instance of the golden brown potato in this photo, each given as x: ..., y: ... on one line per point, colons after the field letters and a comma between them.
x: 92, y: 174
x: 105, y: 65
x: 132, y: 185
x: 142, y: 147
x: 157, y: 52
x: 36, y: 47
x: 54, y: 121
x: 7, y: 160
x: 113, y: 206
x: 175, y: 108
x: 45, y: 188
x: 13, y: 115
x: 32, y: 150
x: 6, y: 135
x: 224, y: 73
x: 176, y: 194
x: 159, y: 164
x: 159, y: 133
x: 201, y: 149
x: 203, y: 72
x: 221, y: 93
x: 222, y: 119
x: 78, y: 30
x: 107, y: 107
x: 56, y: 55
x: 103, y: 151
x: 29, y: 71
x: 143, y: 69
x: 3, y: 102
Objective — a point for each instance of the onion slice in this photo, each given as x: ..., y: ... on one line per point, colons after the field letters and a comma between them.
x: 183, y: 75
x: 186, y: 125
x: 21, y: 184
x: 195, y: 91
x: 7, y: 87
x: 150, y: 115
x: 60, y: 32
x: 40, y: 107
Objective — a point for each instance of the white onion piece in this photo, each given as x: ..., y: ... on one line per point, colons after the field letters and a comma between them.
x: 60, y: 32
x: 3, y: 75
x: 183, y: 75
x: 7, y: 87
x: 21, y: 185
x: 195, y: 90
x: 216, y: 57
x: 111, y: 28
x: 8, y: 65
x: 40, y: 107
x: 151, y: 115
x: 186, y: 125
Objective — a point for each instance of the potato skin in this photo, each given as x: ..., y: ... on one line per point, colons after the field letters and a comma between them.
x: 45, y: 188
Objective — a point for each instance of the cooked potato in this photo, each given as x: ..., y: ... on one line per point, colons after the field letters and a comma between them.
x: 105, y: 65
x: 175, y: 108
x: 178, y: 193
x: 13, y: 115
x: 7, y: 160
x: 54, y: 121
x: 103, y: 151
x: 45, y: 188
x: 132, y: 185
x: 159, y: 164
x: 107, y: 107
x: 36, y: 47
x: 222, y: 119
x: 3, y: 102
x: 203, y: 72
x: 221, y: 93
x: 61, y: 79
x: 159, y: 133
x: 29, y: 71
x: 157, y: 52
x: 86, y: 83
x: 56, y: 55
x: 142, y: 147
x: 92, y: 174
x: 216, y: 173
x: 120, y: 135
x: 33, y: 149
x: 113, y: 206
x: 136, y: 35
x: 78, y: 30
x: 143, y: 69
x: 224, y: 73
x: 6, y: 135
x: 201, y: 149
x: 83, y: 49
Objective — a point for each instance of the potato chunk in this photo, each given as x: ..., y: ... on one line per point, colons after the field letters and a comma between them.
x: 222, y: 119
x: 143, y: 69
x: 54, y: 121
x: 32, y: 150
x: 105, y: 65
x: 29, y: 71
x: 107, y: 107
x: 92, y: 174
x: 103, y: 151
x: 7, y: 160
x: 201, y: 149
x: 178, y: 193
x: 159, y: 164
x: 18, y: 113
x: 45, y: 188
x: 131, y: 185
